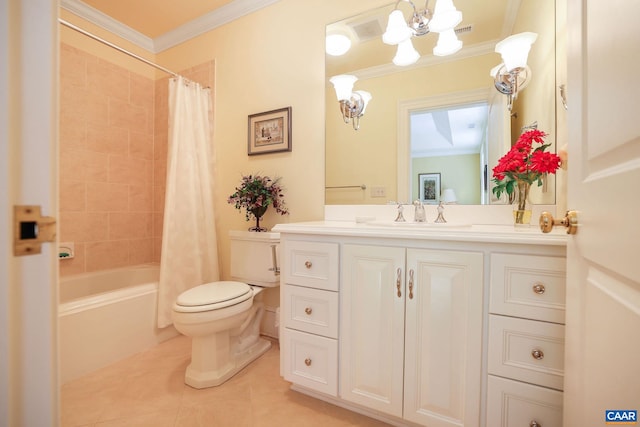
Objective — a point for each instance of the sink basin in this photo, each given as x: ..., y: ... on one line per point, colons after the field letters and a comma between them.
x: 418, y: 225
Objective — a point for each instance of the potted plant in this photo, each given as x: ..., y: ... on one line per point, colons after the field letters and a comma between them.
x: 255, y: 194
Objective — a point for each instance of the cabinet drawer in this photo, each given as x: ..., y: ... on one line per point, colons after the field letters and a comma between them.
x: 515, y: 404
x: 527, y: 350
x: 528, y: 286
x: 311, y: 361
x: 311, y: 264
x: 311, y: 310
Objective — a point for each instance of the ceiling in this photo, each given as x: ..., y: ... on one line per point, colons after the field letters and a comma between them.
x: 155, y: 17
x: 157, y: 25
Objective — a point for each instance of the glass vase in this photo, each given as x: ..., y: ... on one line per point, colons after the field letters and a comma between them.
x: 522, y: 205
x: 257, y: 214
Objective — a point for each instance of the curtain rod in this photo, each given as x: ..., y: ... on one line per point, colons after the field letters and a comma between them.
x: 133, y: 55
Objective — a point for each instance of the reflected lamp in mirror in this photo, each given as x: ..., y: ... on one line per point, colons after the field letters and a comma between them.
x: 443, y: 21
x: 513, y: 74
x: 449, y: 196
x: 352, y: 103
x: 337, y: 44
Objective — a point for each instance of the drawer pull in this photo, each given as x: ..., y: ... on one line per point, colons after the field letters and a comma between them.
x: 308, y: 264
x: 538, y: 288
x: 537, y: 354
x: 398, y: 280
x: 307, y: 361
x: 411, y: 284
x: 534, y: 423
x: 308, y: 310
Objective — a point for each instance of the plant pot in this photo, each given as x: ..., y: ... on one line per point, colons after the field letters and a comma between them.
x: 257, y: 214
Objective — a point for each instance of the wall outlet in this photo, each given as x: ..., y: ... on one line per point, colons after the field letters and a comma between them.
x: 378, y: 192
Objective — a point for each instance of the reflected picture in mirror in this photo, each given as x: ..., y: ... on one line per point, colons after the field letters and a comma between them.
x: 388, y: 151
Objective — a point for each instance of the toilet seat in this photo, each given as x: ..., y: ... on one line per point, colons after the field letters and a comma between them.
x: 213, y: 296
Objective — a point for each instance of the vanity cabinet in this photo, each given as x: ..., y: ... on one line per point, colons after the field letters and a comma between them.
x: 309, y: 313
x: 437, y: 327
x: 411, y: 332
x: 526, y: 341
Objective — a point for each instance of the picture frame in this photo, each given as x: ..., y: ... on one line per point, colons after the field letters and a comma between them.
x: 429, y: 185
x: 269, y: 132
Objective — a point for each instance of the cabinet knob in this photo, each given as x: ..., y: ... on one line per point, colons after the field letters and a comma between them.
x: 308, y: 264
x: 537, y: 354
x: 534, y: 423
x: 538, y: 288
x: 308, y: 310
x: 307, y: 361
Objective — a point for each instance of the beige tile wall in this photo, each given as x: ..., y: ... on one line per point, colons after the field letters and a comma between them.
x: 106, y: 163
x: 112, y: 161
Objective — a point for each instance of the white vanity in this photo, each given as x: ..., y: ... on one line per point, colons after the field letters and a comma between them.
x: 425, y: 325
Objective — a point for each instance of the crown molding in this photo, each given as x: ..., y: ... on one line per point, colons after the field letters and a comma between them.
x: 196, y: 27
x: 208, y: 22
x: 108, y: 23
x: 426, y: 61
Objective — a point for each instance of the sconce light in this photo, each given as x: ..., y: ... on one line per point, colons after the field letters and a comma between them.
x: 399, y: 31
x: 352, y: 104
x: 449, y: 196
x: 513, y: 74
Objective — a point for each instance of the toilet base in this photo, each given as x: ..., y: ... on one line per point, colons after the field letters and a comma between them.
x: 199, y: 379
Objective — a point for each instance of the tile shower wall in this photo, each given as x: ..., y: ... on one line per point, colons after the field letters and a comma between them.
x: 113, y: 147
x: 106, y: 163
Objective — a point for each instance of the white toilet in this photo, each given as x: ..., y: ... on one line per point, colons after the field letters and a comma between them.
x: 223, y: 318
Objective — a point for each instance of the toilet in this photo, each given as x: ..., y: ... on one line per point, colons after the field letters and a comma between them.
x: 223, y: 318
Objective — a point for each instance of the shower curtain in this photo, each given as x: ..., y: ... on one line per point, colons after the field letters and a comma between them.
x: 189, y: 245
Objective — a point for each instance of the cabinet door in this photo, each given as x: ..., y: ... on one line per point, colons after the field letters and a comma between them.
x: 372, y: 327
x: 443, y: 343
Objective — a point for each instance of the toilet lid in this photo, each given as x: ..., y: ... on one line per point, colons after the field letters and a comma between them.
x: 214, y: 293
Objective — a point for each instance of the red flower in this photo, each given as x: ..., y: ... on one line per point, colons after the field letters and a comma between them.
x: 545, y: 162
x: 524, y: 163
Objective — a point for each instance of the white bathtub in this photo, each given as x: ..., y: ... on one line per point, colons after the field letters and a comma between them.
x: 106, y: 316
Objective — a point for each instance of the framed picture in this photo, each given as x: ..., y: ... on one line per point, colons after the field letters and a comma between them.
x: 429, y: 185
x: 270, y: 132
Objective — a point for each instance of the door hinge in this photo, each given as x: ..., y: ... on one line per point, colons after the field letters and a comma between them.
x: 31, y: 230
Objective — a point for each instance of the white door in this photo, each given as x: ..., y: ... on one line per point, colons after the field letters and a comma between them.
x: 372, y: 327
x: 28, y: 296
x: 443, y: 338
x: 603, y: 262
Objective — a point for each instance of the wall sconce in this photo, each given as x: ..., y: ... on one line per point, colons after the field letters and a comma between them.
x: 399, y: 31
x: 513, y: 74
x: 352, y: 104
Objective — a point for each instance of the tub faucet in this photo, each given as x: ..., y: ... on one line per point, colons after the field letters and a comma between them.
x: 419, y: 215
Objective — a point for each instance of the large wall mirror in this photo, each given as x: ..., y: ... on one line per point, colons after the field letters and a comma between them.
x: 441, y: 115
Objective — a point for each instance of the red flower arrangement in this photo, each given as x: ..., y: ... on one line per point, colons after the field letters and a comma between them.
x: 524, y: 163
x: 255, y: 194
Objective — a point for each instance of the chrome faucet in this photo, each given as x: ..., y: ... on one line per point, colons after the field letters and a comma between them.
x: 419, y: 215
x: 400, y: 218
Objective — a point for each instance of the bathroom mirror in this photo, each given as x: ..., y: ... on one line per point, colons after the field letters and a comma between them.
x: 375, y: 164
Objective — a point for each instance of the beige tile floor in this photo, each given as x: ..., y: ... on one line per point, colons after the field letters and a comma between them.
x: 147, y: 389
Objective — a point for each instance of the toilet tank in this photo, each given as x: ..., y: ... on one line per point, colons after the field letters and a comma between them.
x: 254, y: 258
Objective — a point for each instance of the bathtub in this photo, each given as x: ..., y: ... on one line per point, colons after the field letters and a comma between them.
x: 107, y: 316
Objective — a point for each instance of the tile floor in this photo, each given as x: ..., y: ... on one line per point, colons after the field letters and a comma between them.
x: 147, y: 389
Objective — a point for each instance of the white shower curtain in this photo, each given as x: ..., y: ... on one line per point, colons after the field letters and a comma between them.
x: 189, y: 245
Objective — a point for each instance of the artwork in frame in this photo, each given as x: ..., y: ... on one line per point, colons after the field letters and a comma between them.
x: 429, y: 185
x: 270, y: 132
